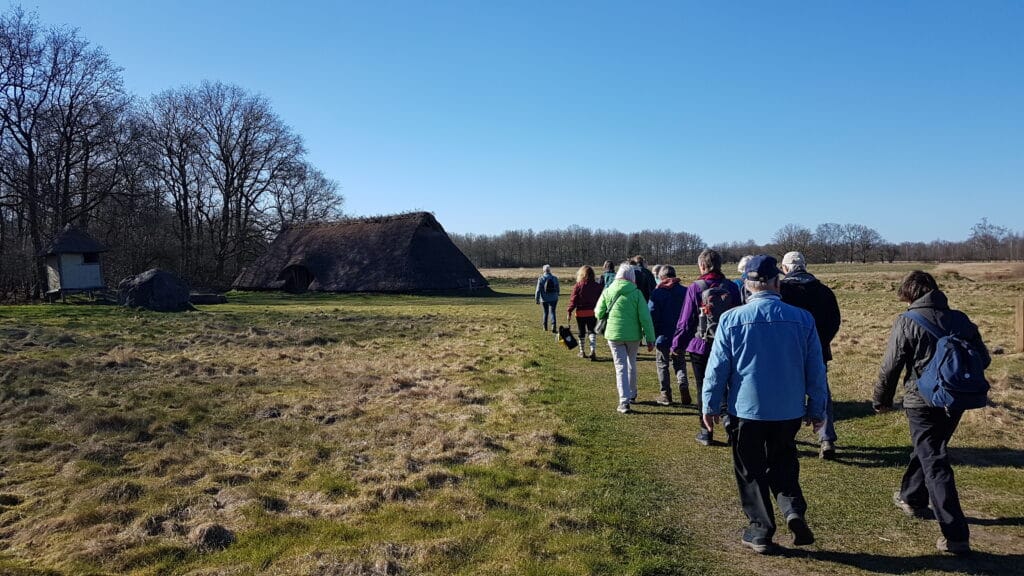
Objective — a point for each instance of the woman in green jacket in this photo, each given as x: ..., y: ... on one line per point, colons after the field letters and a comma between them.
x: 629, y: 320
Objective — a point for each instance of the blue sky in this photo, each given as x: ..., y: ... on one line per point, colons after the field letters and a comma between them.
x: 727, y: 119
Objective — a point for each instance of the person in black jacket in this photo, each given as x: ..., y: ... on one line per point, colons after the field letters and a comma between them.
x: 645, y: 280
x: 929, y: 477
x: 801, y: 289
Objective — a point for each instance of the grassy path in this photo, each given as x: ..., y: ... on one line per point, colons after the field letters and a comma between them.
x: 679, y: 501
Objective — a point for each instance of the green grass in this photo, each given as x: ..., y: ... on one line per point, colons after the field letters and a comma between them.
x: 361, y: 434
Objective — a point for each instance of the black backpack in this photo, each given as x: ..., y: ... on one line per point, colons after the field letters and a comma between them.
x: 550, y: 286
x: 954, y: 378
x: 714, y: 300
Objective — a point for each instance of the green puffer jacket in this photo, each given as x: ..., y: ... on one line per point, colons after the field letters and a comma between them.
x: 630, y: 318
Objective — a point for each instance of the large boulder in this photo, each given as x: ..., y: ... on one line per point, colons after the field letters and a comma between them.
x: 155, y: 289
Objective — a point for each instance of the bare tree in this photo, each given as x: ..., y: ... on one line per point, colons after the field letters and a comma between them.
x: 793, y: 237
x: 828, y: 238
x: 987, y: 238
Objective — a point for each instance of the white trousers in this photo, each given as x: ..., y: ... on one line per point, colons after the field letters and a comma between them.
x: 624, y: 357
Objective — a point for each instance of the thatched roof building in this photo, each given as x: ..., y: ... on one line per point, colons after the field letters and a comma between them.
x: 403, y: 253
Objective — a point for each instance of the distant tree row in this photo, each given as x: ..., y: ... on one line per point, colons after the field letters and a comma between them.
x: 576, y: 245
x: 195, y: 179
x: 827, y: 243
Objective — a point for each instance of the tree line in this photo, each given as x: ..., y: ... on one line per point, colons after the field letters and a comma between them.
x: 826, y: 243
x: 195, y: 178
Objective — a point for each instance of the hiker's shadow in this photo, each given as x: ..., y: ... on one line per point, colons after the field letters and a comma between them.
x: 852, y: 409
x: 977, y: 563
x: 896, y: 456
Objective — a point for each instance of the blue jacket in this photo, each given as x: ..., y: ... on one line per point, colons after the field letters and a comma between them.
x: 768, y: 355
x: 540, y: 295
x: 665, y: 304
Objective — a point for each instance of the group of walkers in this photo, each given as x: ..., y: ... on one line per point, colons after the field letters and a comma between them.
x: 759, y: 348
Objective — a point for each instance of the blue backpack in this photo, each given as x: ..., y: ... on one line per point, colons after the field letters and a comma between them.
x: 954, y: 378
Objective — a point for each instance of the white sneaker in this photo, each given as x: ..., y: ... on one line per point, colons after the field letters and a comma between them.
x: 624, y: 408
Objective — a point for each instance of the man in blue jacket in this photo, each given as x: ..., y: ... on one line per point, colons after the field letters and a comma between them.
x: 665, y: 304
x: 768, y: 356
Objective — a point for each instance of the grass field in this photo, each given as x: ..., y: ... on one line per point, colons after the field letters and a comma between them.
x: 369, y: 434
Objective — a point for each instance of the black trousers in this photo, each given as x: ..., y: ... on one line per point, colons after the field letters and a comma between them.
x: 929, y: 476
x: 766, y: 465
x: 700, y: 367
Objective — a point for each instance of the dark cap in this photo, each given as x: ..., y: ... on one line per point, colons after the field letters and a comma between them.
x: 761, y: 268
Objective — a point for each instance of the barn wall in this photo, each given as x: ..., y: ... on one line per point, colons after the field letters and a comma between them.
x: 76, y: 275
x: 52, y: 273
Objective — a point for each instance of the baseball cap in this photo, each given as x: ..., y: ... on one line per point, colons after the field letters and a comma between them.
x: 761, y: 268
x: 794, y: 260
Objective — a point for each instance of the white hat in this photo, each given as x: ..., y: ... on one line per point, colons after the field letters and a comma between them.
x: 794, y: 261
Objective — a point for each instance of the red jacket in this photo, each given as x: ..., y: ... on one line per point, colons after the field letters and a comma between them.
x: 584, y: 298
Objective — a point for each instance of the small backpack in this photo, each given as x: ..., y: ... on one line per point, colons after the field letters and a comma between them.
x: 954, y: 378
x: 714, y: 300
x: 550, y: 286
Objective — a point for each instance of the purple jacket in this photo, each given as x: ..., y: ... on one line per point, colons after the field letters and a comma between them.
x: 687, y: 326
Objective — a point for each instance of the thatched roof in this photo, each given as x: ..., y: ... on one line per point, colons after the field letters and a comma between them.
x: 403, y: 253
x: 73, y: 241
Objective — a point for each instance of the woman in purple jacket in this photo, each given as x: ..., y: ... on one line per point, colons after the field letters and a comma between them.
x: 686, y: 339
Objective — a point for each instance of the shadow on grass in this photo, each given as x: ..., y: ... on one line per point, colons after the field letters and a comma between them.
x: 886, y: 457
x: 1008, y: 521
x: 852, y: 409
x: 978, y: 563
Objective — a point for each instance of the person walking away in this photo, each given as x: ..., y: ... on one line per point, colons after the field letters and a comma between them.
x: 547, y: 295
x: 801, y: 289
x: 766, y: 359
x: 929, y: 476
x: 645, y: 281
x: 739, y: 281
x: 628, y: 321
x: 706, y: 299
x: 666, y: 304
x: 583, y: 301
x: 608, y: 276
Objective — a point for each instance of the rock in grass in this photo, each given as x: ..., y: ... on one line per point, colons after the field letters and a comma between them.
x: 211, y: 536
x: 155, y: 289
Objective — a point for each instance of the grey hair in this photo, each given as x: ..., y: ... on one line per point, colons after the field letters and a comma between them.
x: 626, y: 272
x: 547, y: 268
x: 742, y: 266
x: 754, y: 286
x: 667, y: 271
x: 710, y: 261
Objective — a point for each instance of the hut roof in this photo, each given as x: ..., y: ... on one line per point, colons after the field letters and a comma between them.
x: 73, y: 241
x: 402, y: 253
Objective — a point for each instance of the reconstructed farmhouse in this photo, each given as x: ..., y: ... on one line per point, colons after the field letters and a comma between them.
x: 402, y: 253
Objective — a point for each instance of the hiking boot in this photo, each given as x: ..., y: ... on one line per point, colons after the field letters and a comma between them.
x: 802, y: 535
x: 554, y: 329
x: 593, y: 356
x: 919, y: 512
x: 761, y: 545
x: 953, y: 546
x: 704, y: 438
x: 827, y: 451
x: 624, y: 408
x: 664, y: 399
x: 684, y: 396
x: 581, y: 353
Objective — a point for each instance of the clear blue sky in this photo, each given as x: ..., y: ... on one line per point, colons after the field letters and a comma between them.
x: 728, y: 119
